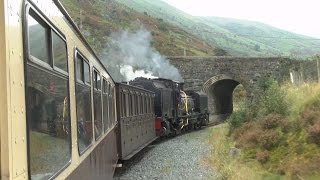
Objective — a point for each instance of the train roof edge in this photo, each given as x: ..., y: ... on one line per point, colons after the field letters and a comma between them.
x: 78, y: 32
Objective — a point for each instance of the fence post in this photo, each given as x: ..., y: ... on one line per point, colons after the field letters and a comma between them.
x: 318, y: 70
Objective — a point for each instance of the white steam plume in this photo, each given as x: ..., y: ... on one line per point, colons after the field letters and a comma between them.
x: 130, y: 55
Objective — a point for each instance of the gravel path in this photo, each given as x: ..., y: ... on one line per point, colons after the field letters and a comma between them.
x: 182, y: 157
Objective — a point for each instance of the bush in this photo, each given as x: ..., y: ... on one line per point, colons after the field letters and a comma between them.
x: 309, y: 116
x: 237, y: 119
x: 262, y: 156
x: 271, y: 121
x: 314, y: 133
x: 310, y: 120
x: 163, y: 27
x: 269, y: 139
x: 250, y: 138
x: 273, y: 101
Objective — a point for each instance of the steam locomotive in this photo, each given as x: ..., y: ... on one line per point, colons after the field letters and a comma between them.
x: 176, y: 110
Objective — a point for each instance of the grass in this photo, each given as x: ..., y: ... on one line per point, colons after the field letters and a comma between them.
x: 278, y: 145
x: 232, y: 167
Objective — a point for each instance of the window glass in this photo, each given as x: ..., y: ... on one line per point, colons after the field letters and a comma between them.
x: 98, y: 82
x: 84, y: 122
x: 124, y: 105
x: 38, y: 40
x: 139, y: 106
x: 59, y: 51
x: 130, y: 104
x: 111, y: 106
x: 48, y: 121
x: 97, y: 106
x: 133, y: 104
x: 86, y: 69
x: 83, y: 105
x: 105, y: 105
x: 94, y: 76
x: 79, y: 67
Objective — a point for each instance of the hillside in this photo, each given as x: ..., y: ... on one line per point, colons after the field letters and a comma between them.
x: 237, y: 37
x: 98, y: 19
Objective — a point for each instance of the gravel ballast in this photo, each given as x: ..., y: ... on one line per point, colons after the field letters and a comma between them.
x: 182, y: 157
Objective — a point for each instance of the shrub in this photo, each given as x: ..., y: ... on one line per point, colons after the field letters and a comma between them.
x: 250, y: 138
x: 163, y: 27
x: 244, y: 129
x: 309, y: 116
x: 273, y: 101
x: 269, y: 139
x: 271, y: 121
x: 314, y: 132
x: 237, y: 119
x: 310, y: 120
x: 262, y: 156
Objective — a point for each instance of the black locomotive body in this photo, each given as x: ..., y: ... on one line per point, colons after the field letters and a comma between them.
x: 175, y: 109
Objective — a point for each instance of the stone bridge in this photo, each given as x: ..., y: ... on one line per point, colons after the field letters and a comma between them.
x: 218, y: 76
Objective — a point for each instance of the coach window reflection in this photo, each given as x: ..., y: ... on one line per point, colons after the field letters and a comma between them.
x: 47, y: 105
x: 38, y: 37
x: 83, y: 103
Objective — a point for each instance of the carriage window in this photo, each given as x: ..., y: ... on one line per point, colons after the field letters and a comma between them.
x: 97, y: 105
x: 113, y: 119
x: 79, y: 68
x: 98, y: 82
x: 140, y: 102
x: 83, y: 106
x: 124, y: 113
x: 59, y: 51
x: 38, y: 40
x: 105, y: 105
x: 86, y: 69
x: 47, y: 107
x: 136, y: 103
x: 111, y: 104
x: 130, y: 104
x: 133, y: 105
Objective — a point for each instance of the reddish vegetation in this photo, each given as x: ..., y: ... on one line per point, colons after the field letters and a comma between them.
x: 310, y: 119
x: 262, y: 156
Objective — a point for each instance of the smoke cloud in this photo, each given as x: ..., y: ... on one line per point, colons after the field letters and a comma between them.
x: 129, y: 55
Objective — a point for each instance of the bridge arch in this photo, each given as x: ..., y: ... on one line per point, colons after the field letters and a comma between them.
x: 220, y: 92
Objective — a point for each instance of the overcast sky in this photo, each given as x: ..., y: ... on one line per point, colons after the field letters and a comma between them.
x: 300, y: 16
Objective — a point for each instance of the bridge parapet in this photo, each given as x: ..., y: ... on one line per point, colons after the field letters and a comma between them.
x: 218, y: 76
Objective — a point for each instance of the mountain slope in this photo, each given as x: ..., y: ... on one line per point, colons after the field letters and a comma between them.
x: 237, y: 37
x: 98, y: 19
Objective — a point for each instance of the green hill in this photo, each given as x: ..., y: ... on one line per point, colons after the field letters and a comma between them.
x: 98, y: 19
x: 237, y: 37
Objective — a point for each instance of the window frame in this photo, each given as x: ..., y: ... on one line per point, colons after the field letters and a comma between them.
x: 53, y: 59
x: 95, y: 87
x: 86, y: 85
x: 85, y: 60
x: 31, y: 60
x: 42, y: 20
x: 105, y: 94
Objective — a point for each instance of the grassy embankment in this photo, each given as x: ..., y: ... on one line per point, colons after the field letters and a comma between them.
x: 278, y: 135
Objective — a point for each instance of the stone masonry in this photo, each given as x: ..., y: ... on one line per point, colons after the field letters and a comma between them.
x: 218, y: 76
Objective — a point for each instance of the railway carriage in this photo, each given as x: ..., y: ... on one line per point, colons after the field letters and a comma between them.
x: 136, y: 119
x: 58, y: 115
